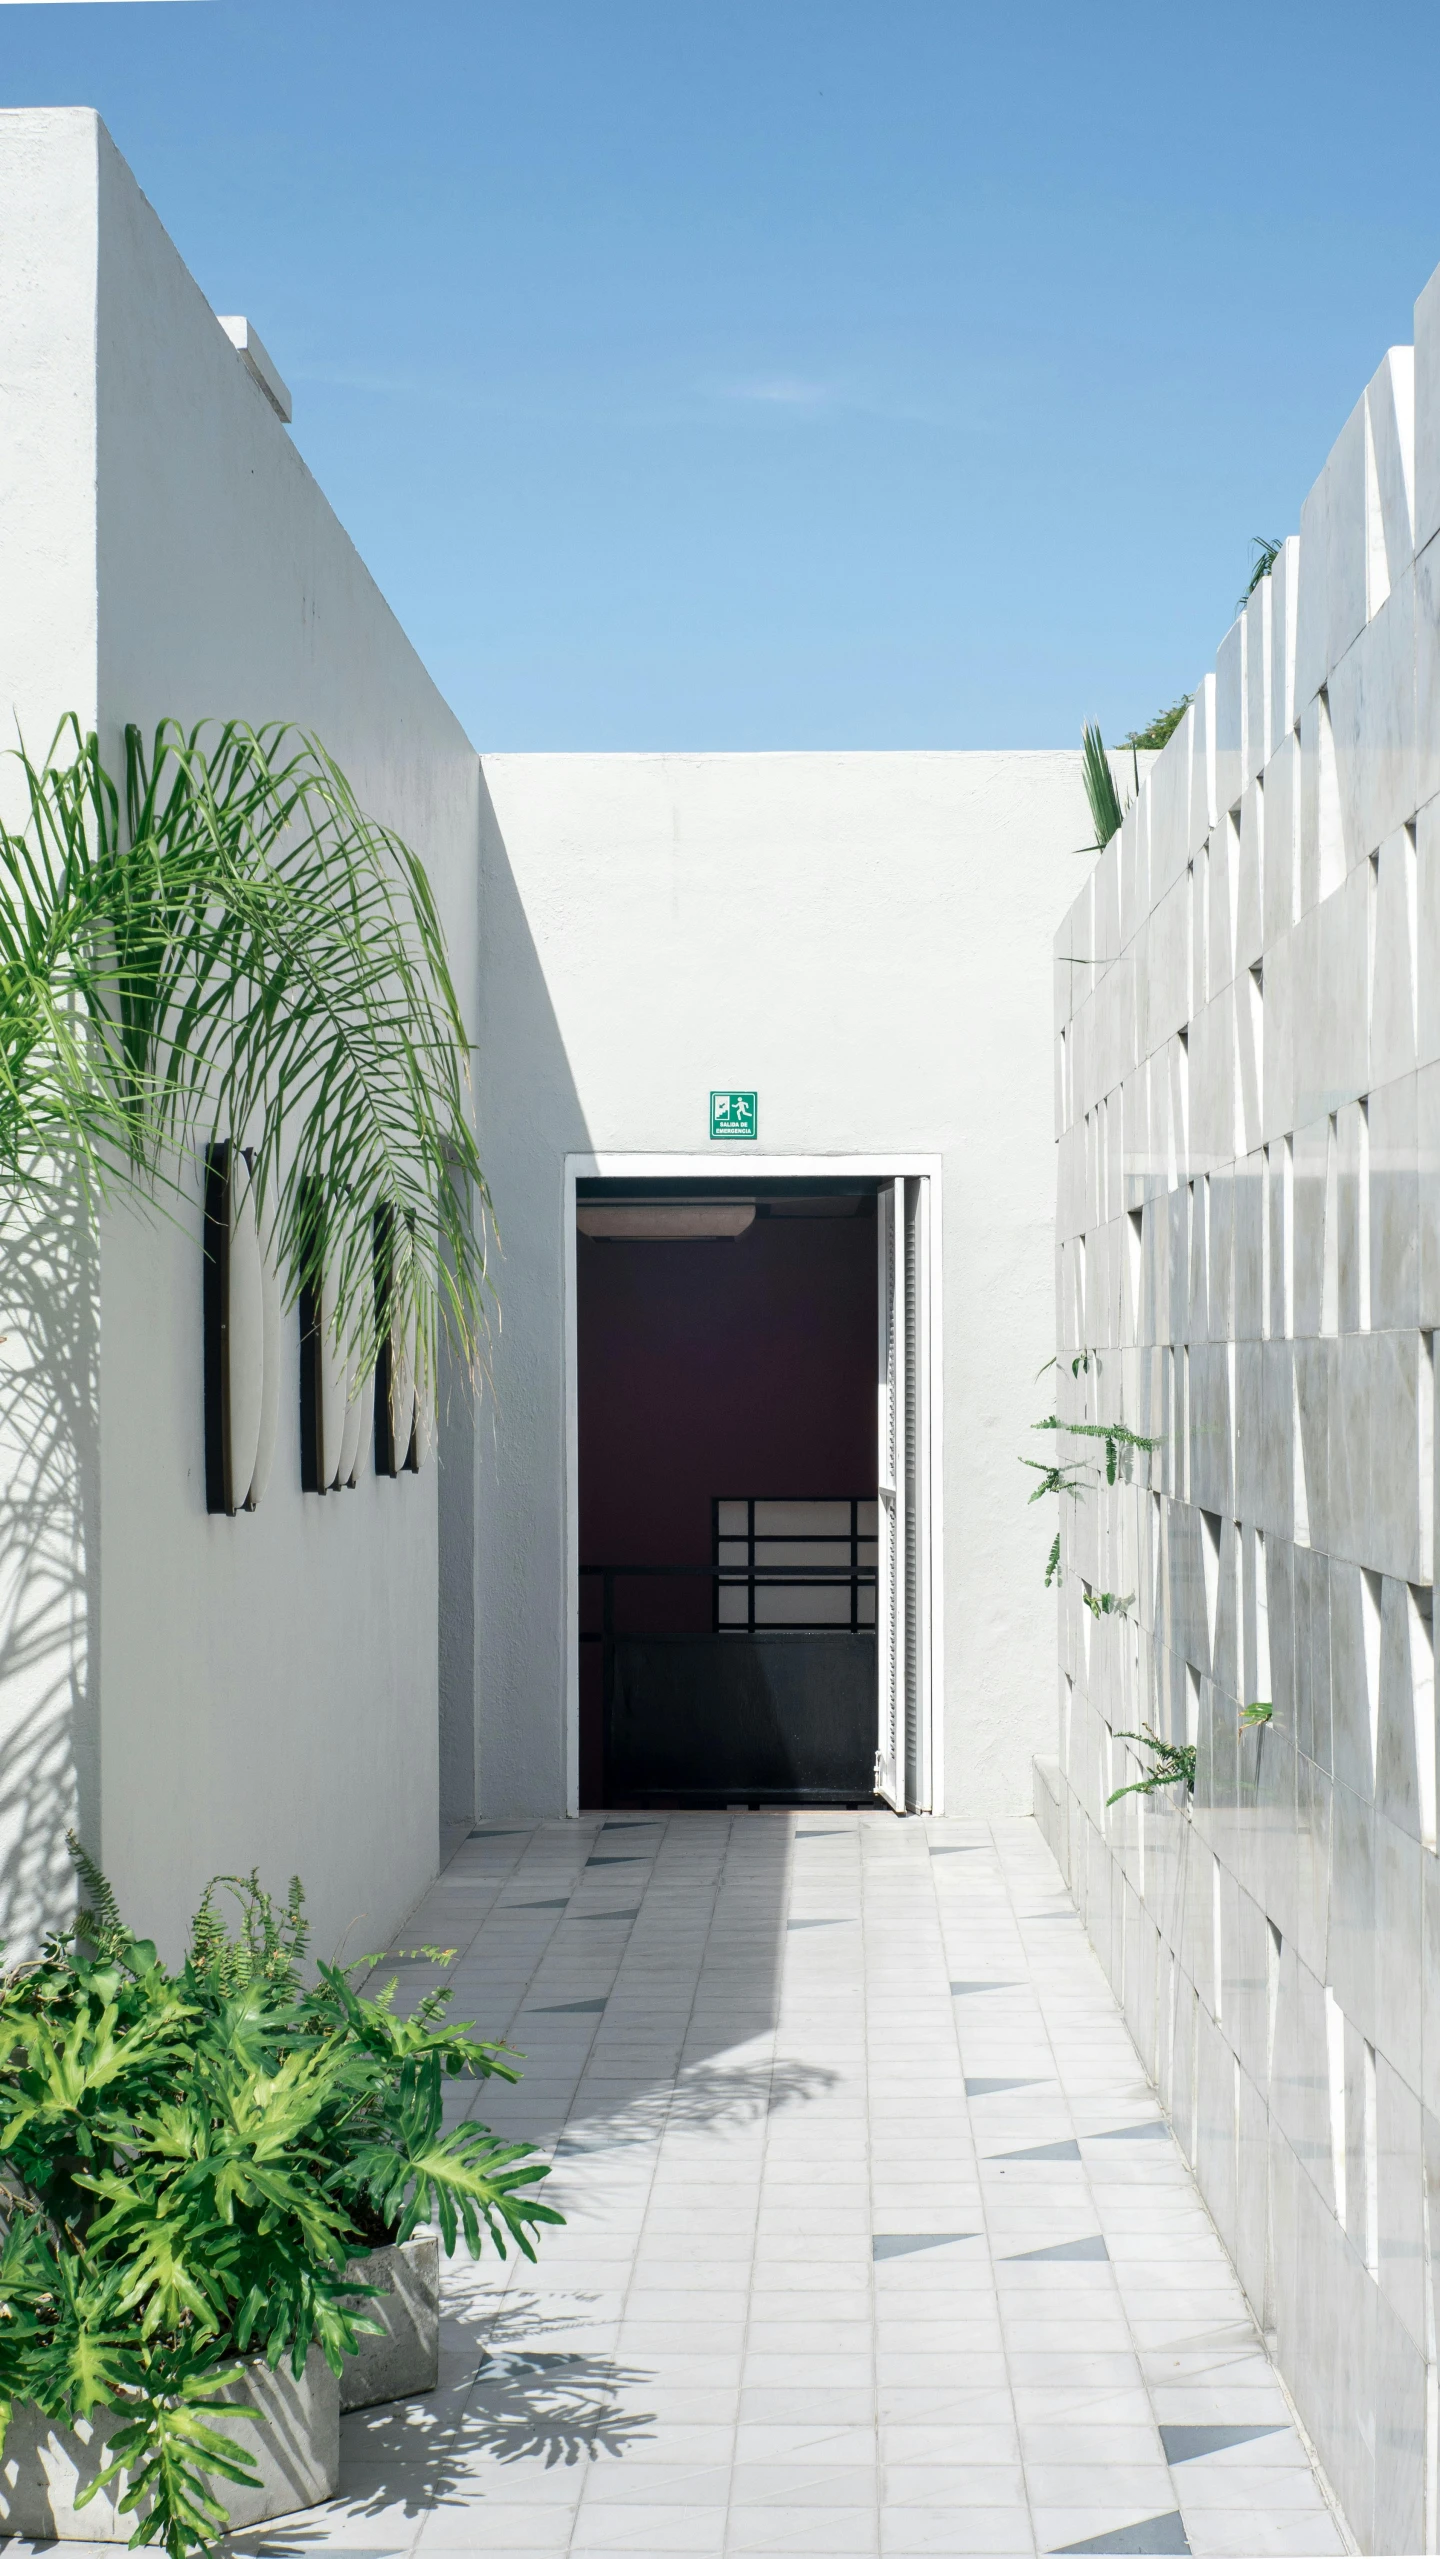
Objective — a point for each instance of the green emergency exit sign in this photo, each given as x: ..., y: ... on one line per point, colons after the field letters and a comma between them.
x: 733, y: 1115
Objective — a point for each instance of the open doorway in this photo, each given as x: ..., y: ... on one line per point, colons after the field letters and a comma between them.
x: 751, y: 1556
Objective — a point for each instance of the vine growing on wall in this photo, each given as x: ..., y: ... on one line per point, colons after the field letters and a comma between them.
x: 1159, y: 731
x: 1171, y: 1764
x: 1074, y: 1477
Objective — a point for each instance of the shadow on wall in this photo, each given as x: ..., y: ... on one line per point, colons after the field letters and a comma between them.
x: 502, y: 1703
x: 457, y: 1400
x: 49, y: 1479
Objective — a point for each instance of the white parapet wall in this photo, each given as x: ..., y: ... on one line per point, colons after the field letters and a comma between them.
x: 1248, y: 1089
x: 201, y: 1693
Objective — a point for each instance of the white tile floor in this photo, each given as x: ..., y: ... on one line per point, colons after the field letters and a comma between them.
x: 875, y: 2242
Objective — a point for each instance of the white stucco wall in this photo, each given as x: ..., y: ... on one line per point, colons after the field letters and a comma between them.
x: 865, y: 939
x: 262, y: 1688
x: 49, y: 1313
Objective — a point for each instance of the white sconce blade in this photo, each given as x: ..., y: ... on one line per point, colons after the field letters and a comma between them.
x: 402, y: 1390
x: 365, y: 1437
x: 350, y: 1435
x: 334, y: 1378
x: 245, y: 1334
x: 269, y: 1375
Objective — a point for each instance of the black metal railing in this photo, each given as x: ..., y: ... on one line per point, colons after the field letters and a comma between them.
x: 769, y: 1540
x: 800, y: 1576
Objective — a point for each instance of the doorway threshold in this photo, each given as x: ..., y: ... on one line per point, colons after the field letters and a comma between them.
x: 763, y: 1800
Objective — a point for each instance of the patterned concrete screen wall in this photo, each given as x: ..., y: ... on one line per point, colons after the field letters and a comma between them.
x: 1248, y: 1093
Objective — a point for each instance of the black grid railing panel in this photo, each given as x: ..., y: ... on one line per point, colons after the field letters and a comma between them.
x: 794, y: 1561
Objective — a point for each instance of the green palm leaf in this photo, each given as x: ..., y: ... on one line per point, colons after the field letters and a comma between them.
x: 247, y: 955
x: 1106, y: 815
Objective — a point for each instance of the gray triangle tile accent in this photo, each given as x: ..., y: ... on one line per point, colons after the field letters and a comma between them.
x: 1133, y: 2132
x: 617, y: 1861
x: 1191, y: 2443
x: 976, y: 1850
x: 609, y: 1914
x: 822, y: 1834
x: 816, y: 1923
x: 997, y: 2087
x: 1161, y: 2535
x: 562, y: 1904
x: 962, y: 1989
x: 573, y: 2008
x: 1043, y: 2150
x: 905, y: 2243
x: 629, y: 1825
x: 495, y: 1834
x: 1066, y: 2252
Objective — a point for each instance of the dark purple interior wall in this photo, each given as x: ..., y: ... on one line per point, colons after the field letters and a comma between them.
x: 716, y: 1367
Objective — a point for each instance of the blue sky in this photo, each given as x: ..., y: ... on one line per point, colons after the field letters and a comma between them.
x: 757, y: 373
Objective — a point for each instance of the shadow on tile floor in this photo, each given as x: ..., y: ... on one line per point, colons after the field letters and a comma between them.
x: 623, y: 1957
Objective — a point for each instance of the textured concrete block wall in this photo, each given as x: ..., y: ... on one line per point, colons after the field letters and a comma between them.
x: 1248, y: 1238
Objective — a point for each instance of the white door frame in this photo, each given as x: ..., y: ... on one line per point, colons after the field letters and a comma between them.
x: 713, y: 1167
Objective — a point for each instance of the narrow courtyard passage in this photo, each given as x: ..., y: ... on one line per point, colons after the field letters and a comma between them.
x: 876, y: 2241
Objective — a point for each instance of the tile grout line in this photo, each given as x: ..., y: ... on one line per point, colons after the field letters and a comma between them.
x: 983, y: 2197
x: 872, y: 2298
x: 730, y: 1914
x: 717, y: 1897
x: 1061, y: 2082
x: 755, y: 2227
x: 513, y: 2276
x: 627, y: 2288
x: 1301, y: 2431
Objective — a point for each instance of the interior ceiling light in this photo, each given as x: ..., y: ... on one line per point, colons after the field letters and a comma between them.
x: 826, y: 1204
x: 664, y: 1221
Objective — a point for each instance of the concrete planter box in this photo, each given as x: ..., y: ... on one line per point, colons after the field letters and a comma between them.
x: 406, y: 2358
x: 45, y: 2466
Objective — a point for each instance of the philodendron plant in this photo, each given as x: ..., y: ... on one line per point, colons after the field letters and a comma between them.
x: 189, y: 2159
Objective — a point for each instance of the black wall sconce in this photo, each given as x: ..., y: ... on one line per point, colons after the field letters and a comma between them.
x: 240, y: 1333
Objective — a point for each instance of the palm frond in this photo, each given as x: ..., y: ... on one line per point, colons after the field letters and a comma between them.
x: 1106, y: 814
x: 1267, y: 551
x: 247, y: 955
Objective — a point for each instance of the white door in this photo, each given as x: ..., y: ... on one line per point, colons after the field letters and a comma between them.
x: 890, y: 1554
x: 915, y: 1550
x: 902, y: 1757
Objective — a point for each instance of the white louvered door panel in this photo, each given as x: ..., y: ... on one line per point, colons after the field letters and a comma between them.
x: 914, y: 1473
x: 890, y: 1558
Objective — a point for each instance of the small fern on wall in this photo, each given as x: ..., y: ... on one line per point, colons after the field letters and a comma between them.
x: 1171, y: 1764
x: 1073, y: 1477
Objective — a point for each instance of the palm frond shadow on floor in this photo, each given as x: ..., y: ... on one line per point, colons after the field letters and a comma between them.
x: 503, y: 2398
x: 706, y: 2097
